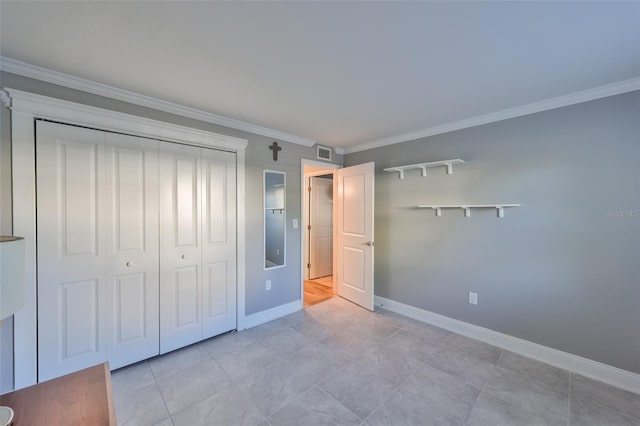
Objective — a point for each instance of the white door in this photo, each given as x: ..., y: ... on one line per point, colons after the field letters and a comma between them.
x: 180, y: 246
x: 71, y: 212
x: 355, y: 233
x: 218, y: 242
x: 321, y: 231
x: 132, y: 248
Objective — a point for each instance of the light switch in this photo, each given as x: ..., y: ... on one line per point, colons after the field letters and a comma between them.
x: 295, y: 223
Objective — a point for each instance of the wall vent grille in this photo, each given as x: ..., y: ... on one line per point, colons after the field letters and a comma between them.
x: 324, y: 153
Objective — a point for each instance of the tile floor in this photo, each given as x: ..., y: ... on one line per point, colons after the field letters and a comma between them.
x: 337, y: 364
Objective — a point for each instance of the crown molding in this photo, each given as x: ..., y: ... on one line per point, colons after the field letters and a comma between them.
x: 43, y: 74
x: 5, y: 98
x: 39, y: 106
x: 545, y: 105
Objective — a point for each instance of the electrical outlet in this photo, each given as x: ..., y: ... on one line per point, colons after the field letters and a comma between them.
x: 473, y: 298
x: 267, y: 285
x: 277, y: 252
x: 295, y: 223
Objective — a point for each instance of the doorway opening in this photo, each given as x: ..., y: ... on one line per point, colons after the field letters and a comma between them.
x: 318, y: 225
x: 352, y: 229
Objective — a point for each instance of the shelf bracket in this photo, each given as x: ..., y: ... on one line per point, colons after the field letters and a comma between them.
x: 424, y: 170
x: 449, y: 168
x: 400, y: 172
x: 467, y: 211
x: 438, y: 211
x: 500, y: 211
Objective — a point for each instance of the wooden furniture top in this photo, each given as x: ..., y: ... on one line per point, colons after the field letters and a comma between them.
x: 80, y: 398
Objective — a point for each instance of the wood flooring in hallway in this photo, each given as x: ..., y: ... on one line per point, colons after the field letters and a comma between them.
x: 318, y: 290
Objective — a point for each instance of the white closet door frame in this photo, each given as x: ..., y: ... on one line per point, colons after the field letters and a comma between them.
x: 28, y: 107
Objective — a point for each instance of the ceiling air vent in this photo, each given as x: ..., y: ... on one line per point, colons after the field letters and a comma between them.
x: 324, y: 153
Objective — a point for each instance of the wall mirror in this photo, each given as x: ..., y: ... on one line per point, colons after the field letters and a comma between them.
x: 274, y: 219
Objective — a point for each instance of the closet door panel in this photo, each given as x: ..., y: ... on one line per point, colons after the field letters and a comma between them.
x: 185, y: 206
x: 216, y: 291
x: 79, y: 313
x: 219, y: 242
x: 71, y: 209
x: 180, y: 248
x: 186, y: 288
x: 131, y: 309
x: 133, y: 245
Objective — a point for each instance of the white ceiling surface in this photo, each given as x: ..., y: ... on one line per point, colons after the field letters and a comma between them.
x: 338, y: 73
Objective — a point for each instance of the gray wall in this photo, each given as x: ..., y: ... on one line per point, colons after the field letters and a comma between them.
x: 563, y: 269
x: 285, y: 281
x: 285, y: 285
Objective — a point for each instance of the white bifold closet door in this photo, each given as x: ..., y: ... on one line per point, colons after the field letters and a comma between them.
x: 197, y: 244
x: 136, y: 247
x: 97, y: 248
x: 132, y: 249
x: 219, y: 250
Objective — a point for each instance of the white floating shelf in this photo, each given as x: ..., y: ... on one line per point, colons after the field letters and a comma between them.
x: 467, y: 208
x: 424, y: 166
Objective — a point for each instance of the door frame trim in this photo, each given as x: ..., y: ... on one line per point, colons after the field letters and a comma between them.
x: 25, y: 109
x: 332, y: 168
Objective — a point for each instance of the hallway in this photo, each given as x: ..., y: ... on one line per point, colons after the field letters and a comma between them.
x: 318, y: 290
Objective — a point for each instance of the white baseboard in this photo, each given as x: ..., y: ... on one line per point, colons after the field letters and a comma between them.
x: 595, y: 370
x: 270, y: 314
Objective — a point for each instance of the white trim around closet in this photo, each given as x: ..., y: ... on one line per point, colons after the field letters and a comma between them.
x: 27, y: 107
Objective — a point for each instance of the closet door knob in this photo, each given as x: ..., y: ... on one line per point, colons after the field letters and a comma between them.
x: 129, y: 264
x: 184, y: 256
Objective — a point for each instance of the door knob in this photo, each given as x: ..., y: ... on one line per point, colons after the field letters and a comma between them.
x: 128, y: 264
x: 184, y: 256
x: 368, y: 243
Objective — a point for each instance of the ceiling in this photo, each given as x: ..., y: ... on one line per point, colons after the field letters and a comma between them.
x: 342, y: 74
